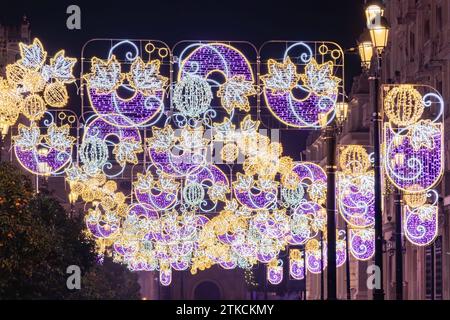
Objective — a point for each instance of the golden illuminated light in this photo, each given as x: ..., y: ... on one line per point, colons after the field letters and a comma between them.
x: 354, y: 159
x: 365, y: 53
x: 341, y: 111
x: 312, y: 245
x: 10, y: 105
x: 403, y: 105
x: 373, y: 11
x: 33, y: 107
x: 55, y: 94
x: 379, y: 34
x: 415, y: 197
x: 33, y: 81
x: 229, y: 152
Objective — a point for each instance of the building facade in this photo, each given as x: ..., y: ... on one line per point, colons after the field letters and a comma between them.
x: 418, y: 52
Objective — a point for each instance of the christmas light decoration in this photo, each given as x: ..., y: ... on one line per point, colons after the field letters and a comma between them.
x: 318, y: 85
x: 184, y: 212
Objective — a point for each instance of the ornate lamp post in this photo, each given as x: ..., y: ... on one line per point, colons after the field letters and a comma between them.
x: 331, y: 132
x: 379, y: 32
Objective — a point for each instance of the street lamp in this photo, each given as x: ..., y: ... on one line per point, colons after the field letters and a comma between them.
x: 374, y: 10
x: 365, y: 50
x: 331, y: 131
x: 341, y: 112
x: 379, y: 32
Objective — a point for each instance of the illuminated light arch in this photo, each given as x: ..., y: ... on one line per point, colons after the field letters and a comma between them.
x: 207, y: 58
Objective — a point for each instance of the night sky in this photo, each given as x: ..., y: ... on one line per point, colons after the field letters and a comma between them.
x: 341, y: 21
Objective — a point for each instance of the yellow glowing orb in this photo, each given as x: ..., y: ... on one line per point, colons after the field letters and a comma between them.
x: 403, y: 105
x: 55, y: 94
x: 33, y: 107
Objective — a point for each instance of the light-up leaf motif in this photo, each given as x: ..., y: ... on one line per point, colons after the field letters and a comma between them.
x: 59, y: 137
x: 60, y: 68
x: 126, y: 151
x: 32, y: 56
x: 145, y: 77
x: 319, y: 78
x: 28, y: 138
x: 105, y: 76
x: 282, y: 77
x: 234, y: 93
x: 422, y: 135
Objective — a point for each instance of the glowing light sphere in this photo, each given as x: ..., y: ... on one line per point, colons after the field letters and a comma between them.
x: 33, y: 81
x: 55, y: 95
x: 193, y: 193
x: 229, y: 152
x: 10, y: 104
x: 33, y: 107
x: 192, y: 96
x: 403, y: 105
x: 93, y: 154
x: 15, y: 73
x: 354, y: 159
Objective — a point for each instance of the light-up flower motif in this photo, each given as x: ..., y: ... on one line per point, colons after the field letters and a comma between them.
x: 234, y: 93
x: 282, y: 77
x: 144, y: 182
x: 145, y: 77
x: 127, y: 150
x: 192, y: 139
x: 105, y: 76
x: 218, y: 191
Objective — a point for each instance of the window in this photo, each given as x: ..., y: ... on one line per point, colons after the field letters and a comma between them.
x: 433, y: 270
x: 412, y: 46
x: 439, y: 18
x: 426, y: 31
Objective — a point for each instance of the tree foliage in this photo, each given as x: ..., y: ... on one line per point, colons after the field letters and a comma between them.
x: 38, y: 241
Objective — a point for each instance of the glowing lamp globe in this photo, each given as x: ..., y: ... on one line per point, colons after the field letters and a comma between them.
x: 374, y: 10
x: 379, y: 34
